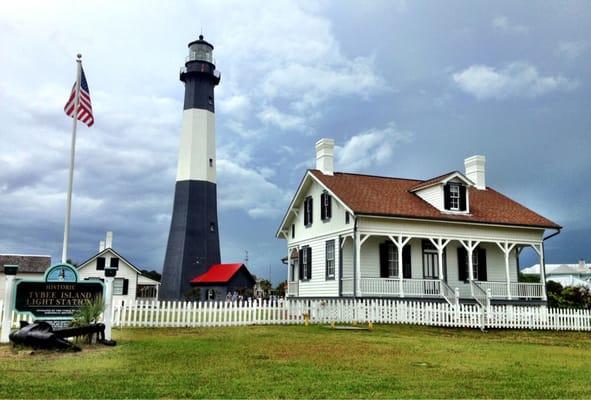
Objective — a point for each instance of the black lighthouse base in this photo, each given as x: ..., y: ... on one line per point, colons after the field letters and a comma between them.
x: 193, y: 242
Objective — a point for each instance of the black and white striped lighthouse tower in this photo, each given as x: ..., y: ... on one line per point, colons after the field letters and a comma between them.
x: 193, y: 241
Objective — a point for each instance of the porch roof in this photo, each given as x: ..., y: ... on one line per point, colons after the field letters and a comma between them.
x: 385, y: 196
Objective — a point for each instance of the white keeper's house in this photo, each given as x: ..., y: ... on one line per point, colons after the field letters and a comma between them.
x: 449, y: 238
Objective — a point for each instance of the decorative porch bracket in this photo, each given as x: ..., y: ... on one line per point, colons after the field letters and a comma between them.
x: 539, y: 248
x: 358, y: 243
x: 470, y: 245
x: 400, y: 241
x: 506, y: 248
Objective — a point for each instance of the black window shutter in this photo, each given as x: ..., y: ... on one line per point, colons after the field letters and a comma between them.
x: 306, y: 211
x: 384, y: 260
x: 406, y: 262
x: 125, y: 286
x: 446, y: 196
x: 482, y: 264
x: 322, y: 207
x: 329, y: 207
x: 311, y: 218
x: 462, y: 198
x: 115, y: 262
x: 462, y: 269
x: 309, y: 263
x: 301, y: 264
x: 100, y: 263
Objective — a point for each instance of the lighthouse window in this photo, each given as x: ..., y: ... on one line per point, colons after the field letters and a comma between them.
x: 211, y: 162
x: 212, y: 227
x: 210, y: 100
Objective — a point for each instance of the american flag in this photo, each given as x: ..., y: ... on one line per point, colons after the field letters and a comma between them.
x: 84, y: 104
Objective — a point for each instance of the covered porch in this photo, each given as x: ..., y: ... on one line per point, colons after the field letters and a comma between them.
x: 436, y: 267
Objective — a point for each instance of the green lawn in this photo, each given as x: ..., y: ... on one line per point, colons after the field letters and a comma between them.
x: 298, y: 361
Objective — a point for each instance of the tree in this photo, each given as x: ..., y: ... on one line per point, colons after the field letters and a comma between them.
x: 157, y: 276
x: 281, y: 289
x: 568, y: 297
x: 266, y: 286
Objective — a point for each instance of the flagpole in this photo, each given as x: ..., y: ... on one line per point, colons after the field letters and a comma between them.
x: 72, y: 152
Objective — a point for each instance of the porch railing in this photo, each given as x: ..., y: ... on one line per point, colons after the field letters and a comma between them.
x: 421, y: 287
x: 515, y: 290
x: 449, y: 294
x: 380, y: 287
x: 292, y: 288
x: 480, y: 294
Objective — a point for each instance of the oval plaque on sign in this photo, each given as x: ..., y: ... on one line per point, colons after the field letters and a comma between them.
x: 61, y: 273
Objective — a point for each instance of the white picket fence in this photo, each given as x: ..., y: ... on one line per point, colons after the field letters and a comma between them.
x: 16, y: 317
x: 167, y: 314
x: 212, y: 314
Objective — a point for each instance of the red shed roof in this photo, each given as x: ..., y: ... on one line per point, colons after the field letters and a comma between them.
x: 218, y: 273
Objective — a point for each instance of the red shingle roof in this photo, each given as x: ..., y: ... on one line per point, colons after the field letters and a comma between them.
x: 218, y: 273
x: 375, y: 195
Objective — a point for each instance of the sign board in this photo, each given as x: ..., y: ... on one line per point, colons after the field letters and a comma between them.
x: 58, y: 296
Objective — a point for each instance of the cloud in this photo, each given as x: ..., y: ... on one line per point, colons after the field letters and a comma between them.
x: 571, y: 50
x: 513, y: 80
x: 272, y: 116
x: 502, y: 23
x: 246, y: 189
x: 373, y: 147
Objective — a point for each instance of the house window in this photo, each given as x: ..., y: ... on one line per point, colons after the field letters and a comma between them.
x: 347, y: 217
x: 306, y: 263
x: 478, y: 264
x: 330, y: 260
x: 308, y: 211
x: 118, y: 286
x: 454, y: 197
x: 100, y: 263
x: 392, y: 260
x: 326, y: 204
x: 292, y: 231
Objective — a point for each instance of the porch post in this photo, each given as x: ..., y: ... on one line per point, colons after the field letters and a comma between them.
x: 470, y: 245
x: 358, y: 263
x: 506, y: 249
x: 400, y: 267
x: 507, y: 274
x: 543, y: 271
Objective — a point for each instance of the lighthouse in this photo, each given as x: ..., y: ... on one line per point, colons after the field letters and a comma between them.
x: 193, y: 240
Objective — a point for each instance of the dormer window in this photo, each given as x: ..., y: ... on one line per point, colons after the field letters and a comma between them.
x: 326, y: 203
x: 454, y: 196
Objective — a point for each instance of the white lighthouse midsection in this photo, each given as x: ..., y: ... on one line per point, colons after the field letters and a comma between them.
x: 197, y: 151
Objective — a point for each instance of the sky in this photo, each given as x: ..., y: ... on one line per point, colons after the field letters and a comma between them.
x: 406, y: 89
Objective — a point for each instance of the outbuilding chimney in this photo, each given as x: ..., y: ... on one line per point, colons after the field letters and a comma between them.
x: 109, y: 240
x: 476, y: 170
x: 325, y: 156
x: 101, y: 245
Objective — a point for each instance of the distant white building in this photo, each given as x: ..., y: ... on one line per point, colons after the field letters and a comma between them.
x: 29, y: 267
x: 566, y: 274
x: 129, y: 285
